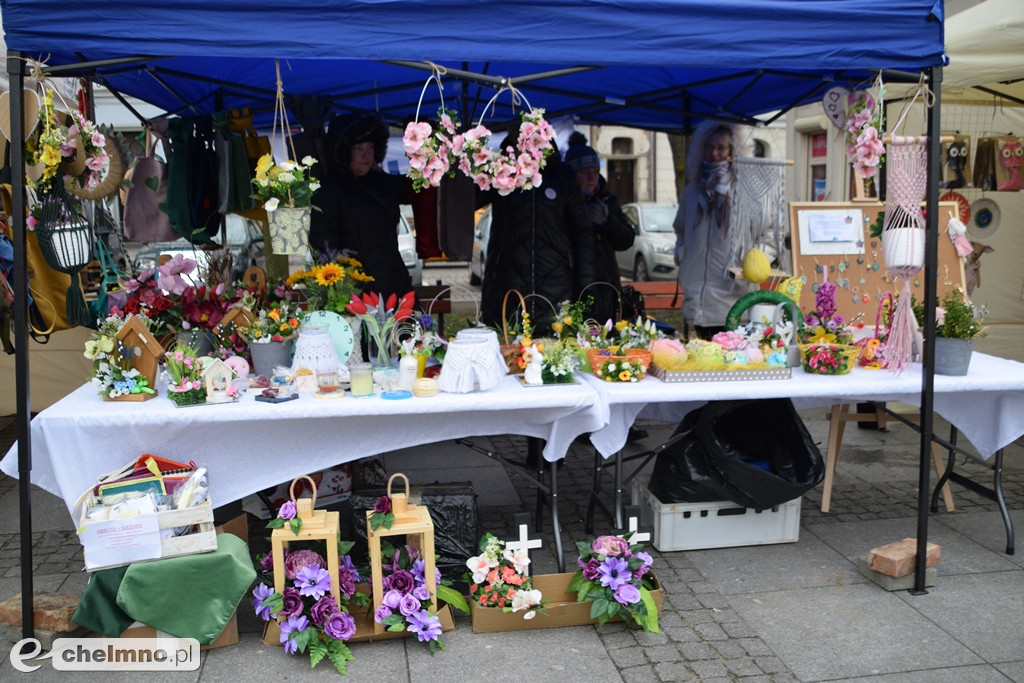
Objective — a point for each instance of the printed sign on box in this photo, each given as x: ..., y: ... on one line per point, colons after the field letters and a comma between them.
x: 121, y: 541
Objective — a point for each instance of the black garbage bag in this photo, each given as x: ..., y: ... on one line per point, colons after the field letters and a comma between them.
x: 755, y: 453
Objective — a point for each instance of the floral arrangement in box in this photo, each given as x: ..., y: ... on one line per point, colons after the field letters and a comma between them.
x: 379, y: 318
x: 433, y: 151
x: 498, y: 577
x: 955, y: 318
x: 825, y: 323
x: 286, y: 184
x: 864, y: 146
x: 113, y: 372
x: 310, y: 617
x: 183, y: 372
x: 823, y: 358
x: 329, y: 286
x: 277, y: 321
x: 406, y: 604
x: 620, y: 369
x: 615, y: 577
x: 513, y: 168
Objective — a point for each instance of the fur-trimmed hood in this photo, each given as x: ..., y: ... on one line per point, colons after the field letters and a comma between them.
x: 742, y: 145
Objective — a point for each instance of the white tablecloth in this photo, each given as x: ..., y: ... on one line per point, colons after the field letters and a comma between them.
x: 986, y: 405
x: 250, y: 445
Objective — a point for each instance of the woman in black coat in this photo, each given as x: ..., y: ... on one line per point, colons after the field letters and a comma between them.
x: 540, y: 243
x: 359, y: 205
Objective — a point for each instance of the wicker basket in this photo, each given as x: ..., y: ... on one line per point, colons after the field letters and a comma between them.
x: 597, y: 356
x: 828, y: 359
x: 509, y: 347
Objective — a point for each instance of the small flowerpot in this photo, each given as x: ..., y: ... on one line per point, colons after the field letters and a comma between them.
x: 289, y: 230
x: 952, y: 356
x: 266, y: 357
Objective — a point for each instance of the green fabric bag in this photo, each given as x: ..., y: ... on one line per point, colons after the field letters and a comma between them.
x: 191, y: 596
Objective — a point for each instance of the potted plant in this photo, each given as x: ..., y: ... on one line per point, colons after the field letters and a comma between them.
x: 286, y: 192
x: 957, y: 325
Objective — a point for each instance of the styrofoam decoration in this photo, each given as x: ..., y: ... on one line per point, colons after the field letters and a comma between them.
x: 470, y: 365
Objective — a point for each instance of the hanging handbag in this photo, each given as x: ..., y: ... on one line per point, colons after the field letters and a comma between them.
x: 233, y: 175
x: 145, y: 205
x: 110, y: 283
x: 255, y: 145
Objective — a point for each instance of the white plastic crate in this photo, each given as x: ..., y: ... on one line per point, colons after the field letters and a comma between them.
x: 718, y: 524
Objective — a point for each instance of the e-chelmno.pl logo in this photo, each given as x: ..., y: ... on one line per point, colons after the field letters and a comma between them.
x: 108, y: 654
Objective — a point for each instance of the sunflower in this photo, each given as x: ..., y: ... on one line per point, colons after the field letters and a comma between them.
x: 329, y: 273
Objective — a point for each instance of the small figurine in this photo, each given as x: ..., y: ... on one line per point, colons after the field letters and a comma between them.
x: 534, y: 364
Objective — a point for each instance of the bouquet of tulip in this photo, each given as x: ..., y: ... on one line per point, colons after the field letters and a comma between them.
x: 183, y: 373
x: 379, y: 318
x: 615, y: 577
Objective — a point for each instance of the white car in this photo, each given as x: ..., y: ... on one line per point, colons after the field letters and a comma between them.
x: 652, y: 255
x: 481, y: 233
x: 407, y: 248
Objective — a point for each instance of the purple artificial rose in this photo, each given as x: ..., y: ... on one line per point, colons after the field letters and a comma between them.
x: 296, y: 561
x: 589, y: 568
x: 627, y: 594
x: 347, y: 581
x: 381, y: 613
x: 646, y: 566
x: 391, y: 598
x: 610, y: 546
x: 292, y: 603
x: 287, y: 511
x: 347, y: 563
x: 421, y: 593
x: 402, y: 581
x: 382, y: 505
x: 322, y: 609
x: 408, y: 605
x: 267, y: 563
x: 340, y: 626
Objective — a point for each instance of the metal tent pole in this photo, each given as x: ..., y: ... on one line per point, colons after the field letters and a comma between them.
x: 931, y: 252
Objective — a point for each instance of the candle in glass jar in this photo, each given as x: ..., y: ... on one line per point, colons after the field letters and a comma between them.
x: 361, y: 379
x: 327, y: 381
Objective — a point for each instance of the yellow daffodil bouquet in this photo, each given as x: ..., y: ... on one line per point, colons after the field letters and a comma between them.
x: 287, y: 184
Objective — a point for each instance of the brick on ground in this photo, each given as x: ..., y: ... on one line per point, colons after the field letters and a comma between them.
x: 897, y: 559
x: 51, y: 611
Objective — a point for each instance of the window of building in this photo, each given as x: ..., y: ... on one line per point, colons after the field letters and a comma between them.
x: 622, y: 146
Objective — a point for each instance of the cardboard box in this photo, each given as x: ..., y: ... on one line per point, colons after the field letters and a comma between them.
x: 562, y: 608
x: 716, y: 524
x: 229, y: 636
x: 119, y: 542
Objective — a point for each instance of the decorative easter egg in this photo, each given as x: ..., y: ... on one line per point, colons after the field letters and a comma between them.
x: 756, y: 266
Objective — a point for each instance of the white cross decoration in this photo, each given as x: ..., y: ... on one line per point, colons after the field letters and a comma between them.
x: 524, y: 542
x: 637, y: 537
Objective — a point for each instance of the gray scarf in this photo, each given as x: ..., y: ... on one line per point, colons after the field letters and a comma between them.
x: 715, y: 183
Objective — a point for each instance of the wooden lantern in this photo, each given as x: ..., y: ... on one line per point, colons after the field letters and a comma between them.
x: 413, y: 522
x: 317, y: 525
x: 134, y: 334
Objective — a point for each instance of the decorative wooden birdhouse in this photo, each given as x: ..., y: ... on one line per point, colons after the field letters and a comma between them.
x: 133, y: 334
x: 217, y: 376
x: 413, y: 522
x: 317, y: 525
x: 235, y: 319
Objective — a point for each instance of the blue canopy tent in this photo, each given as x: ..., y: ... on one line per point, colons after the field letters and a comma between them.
x: 654, y: 64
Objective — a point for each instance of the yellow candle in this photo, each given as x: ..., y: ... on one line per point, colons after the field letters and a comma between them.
x: 361, y: 379
x: 421, y: 365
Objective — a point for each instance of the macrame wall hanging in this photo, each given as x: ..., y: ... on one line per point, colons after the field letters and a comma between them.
x: 903, y: 230
x: 759, y: 209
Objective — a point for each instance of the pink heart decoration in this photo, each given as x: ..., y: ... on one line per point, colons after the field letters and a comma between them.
x: 834, y: 103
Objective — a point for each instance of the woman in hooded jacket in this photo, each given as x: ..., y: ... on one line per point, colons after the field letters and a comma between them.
x: 540, y: 243
x: 359, y: 204
x: 702, y: 226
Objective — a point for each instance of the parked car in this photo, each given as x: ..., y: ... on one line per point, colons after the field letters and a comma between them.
x: 244, y: 240
x: 407, y: 248
x: 651, y: 256
x: 480, y: 236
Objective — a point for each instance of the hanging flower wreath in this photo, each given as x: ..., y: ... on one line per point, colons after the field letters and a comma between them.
x: 512, y: 168
x: 864, y: 146
x: 97, y: 162
x: 433, y: 152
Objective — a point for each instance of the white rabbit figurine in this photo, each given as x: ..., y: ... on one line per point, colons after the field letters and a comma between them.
x: 534, y: 364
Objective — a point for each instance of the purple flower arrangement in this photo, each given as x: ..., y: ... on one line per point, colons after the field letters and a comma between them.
x: 310, y: 617
x: 405, y: 605
x: 615, y: 577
